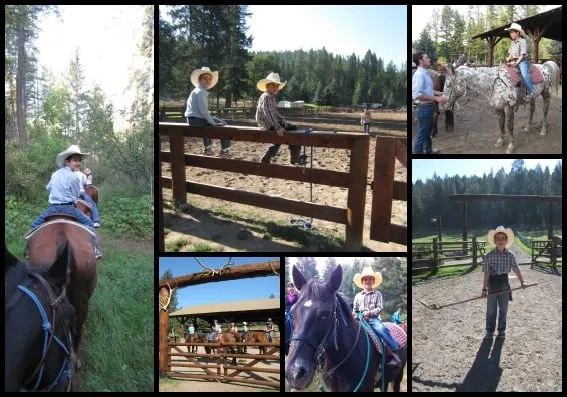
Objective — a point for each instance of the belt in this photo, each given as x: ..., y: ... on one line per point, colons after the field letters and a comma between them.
x: 62, y: 204
x: 423, y: 104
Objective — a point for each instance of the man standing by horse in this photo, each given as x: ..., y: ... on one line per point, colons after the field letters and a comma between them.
x: 424, y: 96
x: 370, y: 303
x: 518, y: 57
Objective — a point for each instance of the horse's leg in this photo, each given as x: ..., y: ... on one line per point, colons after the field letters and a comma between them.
x: 546, y: 100
x: 510, y: 148
x: 501, y: 119
x: 434, y: 124
x: 529, y: 126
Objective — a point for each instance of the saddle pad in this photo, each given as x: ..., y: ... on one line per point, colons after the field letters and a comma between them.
x: 32, y: 232
x: 515, y: 75
x: 396, y: 332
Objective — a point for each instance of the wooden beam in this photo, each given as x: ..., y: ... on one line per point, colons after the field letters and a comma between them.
x: 232, y: 273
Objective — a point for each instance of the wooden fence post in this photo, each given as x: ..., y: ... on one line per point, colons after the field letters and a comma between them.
x: 435, y: 256
x: 357, y: 194
x: 163, y: 325
x: 474, y: 258
x: 177, y: 149
x: 553, y: 256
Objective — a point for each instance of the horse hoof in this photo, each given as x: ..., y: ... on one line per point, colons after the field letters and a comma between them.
x: 527, y: 129
x: 510, y: 149
x: 499, y: 142
x: 543, y: 131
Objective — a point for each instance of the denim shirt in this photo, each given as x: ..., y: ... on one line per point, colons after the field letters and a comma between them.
x: 197, y: 105
x: 421, y: 84
x: 64, y: 186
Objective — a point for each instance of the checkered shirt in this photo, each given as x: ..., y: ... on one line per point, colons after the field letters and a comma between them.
x: 500, y: 263
x: 368, y: 301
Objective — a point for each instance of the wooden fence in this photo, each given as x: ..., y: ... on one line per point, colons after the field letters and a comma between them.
x: 355, y: 181
x: 552, y: 250
x: 432, y: 254
x: 234, y: 113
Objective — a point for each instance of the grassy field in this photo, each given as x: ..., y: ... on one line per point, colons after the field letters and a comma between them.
x: 118, y: 343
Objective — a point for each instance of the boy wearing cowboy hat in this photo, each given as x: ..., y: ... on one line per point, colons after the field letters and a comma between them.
x: 270, y: 330
x: 88, y: 199
x: 370, y: 303
x: 197, y: 112
x: 64, y: 188
x: 497, y: 265
x: 269, y: 119
x: 518, y: 56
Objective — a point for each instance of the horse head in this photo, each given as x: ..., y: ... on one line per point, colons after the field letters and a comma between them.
x: 39, y: 352
x: 316, y: 314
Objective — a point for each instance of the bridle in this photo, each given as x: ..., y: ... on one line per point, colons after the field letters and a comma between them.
x: 66, y: 371
x: 321, y: 347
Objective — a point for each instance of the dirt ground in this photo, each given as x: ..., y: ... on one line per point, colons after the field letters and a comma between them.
x: 197, y: 385
x: 477, y: 129
x: 448, y: 351
x: 201, y: 225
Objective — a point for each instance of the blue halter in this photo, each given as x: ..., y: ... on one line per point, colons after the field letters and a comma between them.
x: 66, y: 371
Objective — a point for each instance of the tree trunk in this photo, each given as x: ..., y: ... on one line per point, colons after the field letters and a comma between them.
x: 21, y: 85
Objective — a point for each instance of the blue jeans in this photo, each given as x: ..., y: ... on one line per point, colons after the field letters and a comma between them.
x: 496, y: 304
x: 273, y: 149
x: 212, y: 336
x: 55, y: 209
x: 524, y: 69
x: 384, y: 333
x: 94, y: 209
x: 199, y: 122
x: 423, y: 142
x: 367, y: 128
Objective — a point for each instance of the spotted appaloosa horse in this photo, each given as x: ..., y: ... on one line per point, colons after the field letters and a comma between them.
x: 495, y: 87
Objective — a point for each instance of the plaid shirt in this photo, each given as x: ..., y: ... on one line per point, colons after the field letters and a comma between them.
x: 368, y: 301
x: 500, y: 263
x: 519, y: 47
x: 267, y: 115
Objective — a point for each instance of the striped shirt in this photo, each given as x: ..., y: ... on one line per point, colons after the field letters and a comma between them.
x: 267, y: 115
x: 496, y: 262
x: 368, y: 301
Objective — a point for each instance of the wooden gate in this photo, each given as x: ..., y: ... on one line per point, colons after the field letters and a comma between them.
x: 385, y: 189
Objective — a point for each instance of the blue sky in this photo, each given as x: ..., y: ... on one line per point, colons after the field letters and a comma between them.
x: 424, y: 169
x: 341, y: 29
x: 222, y: 291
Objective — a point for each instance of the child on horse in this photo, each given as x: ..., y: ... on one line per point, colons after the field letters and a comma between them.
x: 270, y: 330
x: 216, y: 330
x: 370, y: 303
x: 518, y: 56
x: 87, y: 198
x: 269, y: 119
x: 497, y: 264
x: 64, y: 188
x: 197, y: 112
x: 88, y: 176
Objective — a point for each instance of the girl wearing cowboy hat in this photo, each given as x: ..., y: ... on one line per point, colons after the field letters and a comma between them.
x: 64, y: 189
x: 269, y: 119
x: 497, y: 265
x: 518, y: 56
x: 370, y: 303
x: 87, y: 197
x: 197, y: 112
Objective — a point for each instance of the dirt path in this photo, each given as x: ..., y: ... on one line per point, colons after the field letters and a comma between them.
x: 256, y: 229
x: 448, y: 352
x: 476, y: 130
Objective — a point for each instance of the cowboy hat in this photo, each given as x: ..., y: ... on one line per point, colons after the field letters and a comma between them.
x: 244, y: 323
x: 71, y: 150
x: 517, y: 27
x: 500, y: 229
x: 196, y: 74
x: 368, y: 272
x: 272, y: 78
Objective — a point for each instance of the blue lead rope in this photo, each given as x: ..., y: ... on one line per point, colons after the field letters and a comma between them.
x: 46, y: 326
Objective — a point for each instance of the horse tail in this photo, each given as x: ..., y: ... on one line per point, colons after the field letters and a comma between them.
x: 554, y: 70
x: 65, y: 254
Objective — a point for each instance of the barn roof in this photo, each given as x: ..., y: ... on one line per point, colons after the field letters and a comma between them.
x: 247, y: 310
x: 551, y: 19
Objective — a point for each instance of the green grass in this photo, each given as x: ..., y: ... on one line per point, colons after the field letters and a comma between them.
x: 442, y: 272
x: 119, y: 333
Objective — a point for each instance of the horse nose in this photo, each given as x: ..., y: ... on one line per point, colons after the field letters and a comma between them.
x: 299, y: 373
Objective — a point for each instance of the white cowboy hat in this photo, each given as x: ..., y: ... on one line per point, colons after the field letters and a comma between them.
x: 71, y: 150
x: 272, y: 78
x: 517, y: 27
x: 501, y: 229
x: 368, y: 272
x: 195, y: 74
x: 244, y: 323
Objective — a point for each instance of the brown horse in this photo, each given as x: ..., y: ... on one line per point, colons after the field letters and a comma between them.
x: 47, y: 241
x: 92, y: 191
x: 259, y: 337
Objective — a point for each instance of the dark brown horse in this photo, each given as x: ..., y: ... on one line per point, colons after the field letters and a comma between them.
x: 38, y: 353
x: 44, y: 246
x: 92, y: 191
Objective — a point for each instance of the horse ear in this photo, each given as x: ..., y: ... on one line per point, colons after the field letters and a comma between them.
x: 336, y: 279
x: 297, y: 277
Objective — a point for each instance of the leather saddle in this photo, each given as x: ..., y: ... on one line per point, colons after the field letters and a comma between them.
x: 516, y: 76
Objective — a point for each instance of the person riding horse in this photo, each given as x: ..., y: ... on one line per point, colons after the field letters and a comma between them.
x: 370, y: 303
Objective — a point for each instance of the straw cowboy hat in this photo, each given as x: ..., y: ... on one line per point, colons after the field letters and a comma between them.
x: 71, y: 150
x: 368, y: 272
x: 515, y: 26
x: 195, y: 74
x: 500, y: 229
x: 272, y: 78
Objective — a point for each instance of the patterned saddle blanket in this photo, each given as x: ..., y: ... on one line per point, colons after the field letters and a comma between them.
x: 516, y: 76
x: 395, y: 330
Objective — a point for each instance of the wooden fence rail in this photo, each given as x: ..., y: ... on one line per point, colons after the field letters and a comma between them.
x: 434, y: 253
